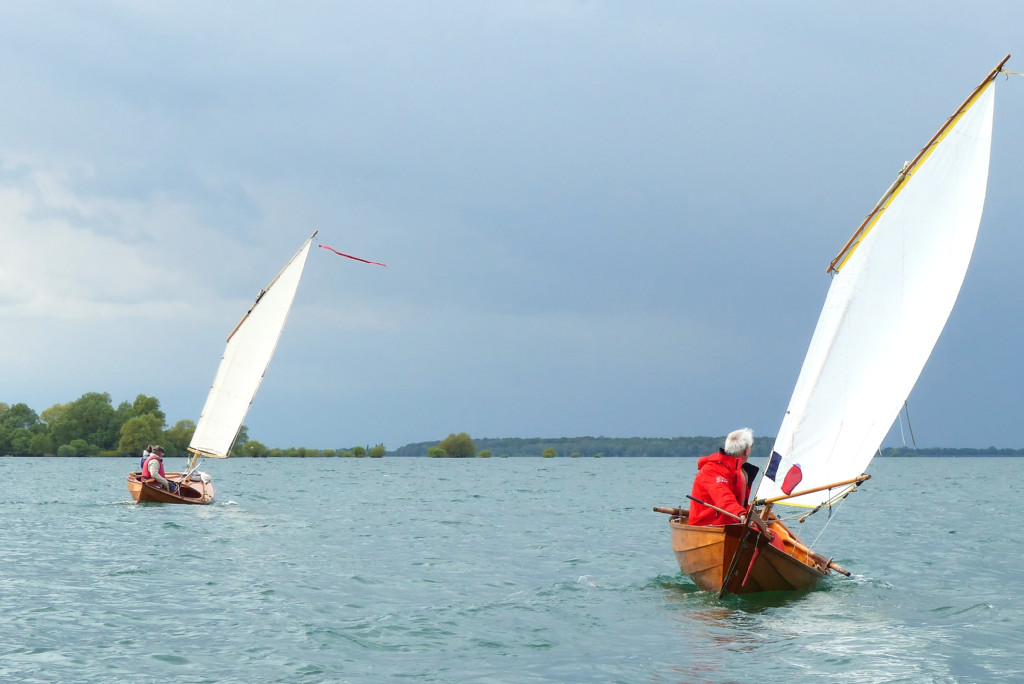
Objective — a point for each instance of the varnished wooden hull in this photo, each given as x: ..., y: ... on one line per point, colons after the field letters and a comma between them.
x: 706, y: 554
x: 194, y: 493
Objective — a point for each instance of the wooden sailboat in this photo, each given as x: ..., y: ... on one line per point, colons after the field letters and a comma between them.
x: 197, y: 490
x: 894, y: 285
x: 708, y: 554
x: 740, y: 559
x: 250, y: 346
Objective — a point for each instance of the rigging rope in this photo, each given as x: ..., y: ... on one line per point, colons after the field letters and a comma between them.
x: 194, y: 468
x: 832, y: 504
x: 830, y: 517
x: 906, y: 410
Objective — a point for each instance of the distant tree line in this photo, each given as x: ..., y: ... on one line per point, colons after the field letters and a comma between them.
x: 461, y: 446
x: 941, y: 451
x: 91, y: 426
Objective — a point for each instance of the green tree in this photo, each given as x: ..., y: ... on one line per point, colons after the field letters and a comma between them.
x: 91, y: 417
x: 437, y: 452
x: 253, y: 449
x: 139, y: 432
x: 18, y: 416
x: 241, y: 438
x: 42, y: 445
x: 378, y: 451
x: 549, y: 453
x: 458, y: 446
x: 486, y: 453
x: 176, y: 439
x: 47, y: 417
x: 78, y: 447
x: 18, y: 425
x: 20, y: 442
x: 359, y: 452
x: 144, y: 405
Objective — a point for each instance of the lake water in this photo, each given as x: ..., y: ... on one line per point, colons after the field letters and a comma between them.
x: 491, y: 570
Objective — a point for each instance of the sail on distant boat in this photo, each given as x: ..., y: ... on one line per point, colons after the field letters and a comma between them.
x: 248, y: 352
x: 893, y: 287
x: 250, y: 347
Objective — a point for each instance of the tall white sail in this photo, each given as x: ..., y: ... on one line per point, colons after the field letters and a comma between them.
x: 248, y: 352
x: 893, y: 290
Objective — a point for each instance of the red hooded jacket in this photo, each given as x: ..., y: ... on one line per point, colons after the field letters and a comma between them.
x: 721, y: 482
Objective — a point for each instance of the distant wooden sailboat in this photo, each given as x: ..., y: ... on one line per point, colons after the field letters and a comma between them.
x: 894, y: 285
x: 250, y: 346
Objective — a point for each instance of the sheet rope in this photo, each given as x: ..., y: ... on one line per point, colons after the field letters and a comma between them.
x: 832, y: 505
x: 831, y: 517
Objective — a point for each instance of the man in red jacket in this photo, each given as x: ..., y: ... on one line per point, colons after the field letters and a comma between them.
x: 722, y: 482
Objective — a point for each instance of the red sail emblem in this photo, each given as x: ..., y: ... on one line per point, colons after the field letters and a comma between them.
x: 793, y: 478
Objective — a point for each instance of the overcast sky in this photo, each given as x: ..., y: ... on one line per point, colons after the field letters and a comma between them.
x: 599, y: 218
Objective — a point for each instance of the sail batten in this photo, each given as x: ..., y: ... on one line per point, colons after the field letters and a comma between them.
x: 247, y: 354
x: 893, y: 288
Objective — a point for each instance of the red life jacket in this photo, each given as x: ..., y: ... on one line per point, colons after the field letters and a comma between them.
x: 145, y: 469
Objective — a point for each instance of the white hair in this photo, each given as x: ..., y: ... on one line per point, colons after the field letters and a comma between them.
x: 739, y: 441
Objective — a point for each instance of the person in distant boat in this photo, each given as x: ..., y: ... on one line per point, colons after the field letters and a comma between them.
x: 722, y: 482
x: 153, y: 469
x: 146, y: 453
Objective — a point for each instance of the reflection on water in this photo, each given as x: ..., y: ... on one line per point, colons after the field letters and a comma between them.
x: 712, y: 631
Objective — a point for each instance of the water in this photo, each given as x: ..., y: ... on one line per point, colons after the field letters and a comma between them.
x: 490, y: 570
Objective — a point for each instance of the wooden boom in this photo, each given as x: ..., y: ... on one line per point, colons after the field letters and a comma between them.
x: 856, y: 480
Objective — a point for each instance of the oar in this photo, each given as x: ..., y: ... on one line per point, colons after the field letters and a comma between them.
x: 720, y: 510
x: 678, y: 511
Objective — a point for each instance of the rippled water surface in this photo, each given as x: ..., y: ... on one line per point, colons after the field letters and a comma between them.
x: 491, y: 570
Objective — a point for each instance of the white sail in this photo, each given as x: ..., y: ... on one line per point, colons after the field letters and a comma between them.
x: 248, y: 352
x: 889, y: 299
